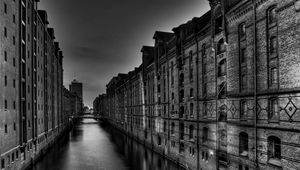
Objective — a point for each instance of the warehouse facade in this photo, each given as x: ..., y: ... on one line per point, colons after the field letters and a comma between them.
x: 221, y: 91
x: 31, y: 109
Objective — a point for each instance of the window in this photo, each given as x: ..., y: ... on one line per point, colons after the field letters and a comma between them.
x: 218, y: 24
x: 2, y: 163
x: 181, y: 131
x: 5, y: 128
x: 172, y: 128
x: 5, y: 8
x: 5, y: 32
x: 181, y: 95
x: 14, y: 40
x: 191, y: 92
x: 181, y: 148
x: 222, y: 68
x: 165, y: 126
x: 191, y: 108
x: 243, y: 144
x: 273, y: 44
x: 274, y: 76
x: 205, y: 134
x: 243, y: 55
x: 181, y: 112
x: 220, y: 46
x: 172, y: 95
x: 204, y: 156
x: 158, y: 140
x: 14, y: 104
x: 244, y: 109
x: 14, y: 83
x: 204, y: 109
x: 15, y: 126
x: 273, y: 111
x: 222, y: 113
x: 14, y: 18
x: 242, y: 30
x: 222, y: 90
x: 5, y: 104
x: 5, y: 55
x: 191, y: 134
x: 244, y: 81
x: 14, y: 62
x: 272, y: 16
x: 5, y: 80
x: 203, y: 50
x: 274, y: 148
x: 181, y: 79
x: 243, y: 167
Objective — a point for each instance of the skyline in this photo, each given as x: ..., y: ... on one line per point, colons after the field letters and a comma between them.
x: 90, y: 56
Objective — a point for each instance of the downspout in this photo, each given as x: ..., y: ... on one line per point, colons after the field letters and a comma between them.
x: 255, y: 78
x: 197, y: 100
x: 168, y: 123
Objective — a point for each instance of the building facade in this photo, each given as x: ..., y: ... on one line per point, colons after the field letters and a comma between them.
x: 31, y: 70
x: 221, y: 91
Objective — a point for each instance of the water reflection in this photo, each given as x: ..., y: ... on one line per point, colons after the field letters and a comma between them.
x: 93, y: 146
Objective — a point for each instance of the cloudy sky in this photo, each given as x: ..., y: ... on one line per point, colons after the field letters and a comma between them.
x: 101, y: 38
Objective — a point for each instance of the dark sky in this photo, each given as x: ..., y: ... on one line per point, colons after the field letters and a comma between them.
x: 101, y: 38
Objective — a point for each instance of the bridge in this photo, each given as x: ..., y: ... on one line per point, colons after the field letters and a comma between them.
x: 86, y: 116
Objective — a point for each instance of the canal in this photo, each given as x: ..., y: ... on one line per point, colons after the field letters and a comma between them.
x: 94, y: 146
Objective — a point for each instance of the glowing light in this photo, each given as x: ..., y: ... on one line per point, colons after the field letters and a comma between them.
x: 211, y: 152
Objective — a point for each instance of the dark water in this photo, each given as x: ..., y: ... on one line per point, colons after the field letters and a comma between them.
x: 93, y: 146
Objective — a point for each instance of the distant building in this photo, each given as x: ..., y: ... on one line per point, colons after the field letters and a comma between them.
x: 76, y: 87
x: 100, y: 105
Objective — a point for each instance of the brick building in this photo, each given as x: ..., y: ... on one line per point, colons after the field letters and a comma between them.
x: 221, y: 91
x: 31, y: 86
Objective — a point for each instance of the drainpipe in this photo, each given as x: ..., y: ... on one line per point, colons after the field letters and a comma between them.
x: 197, y: 99
x: 255, y: 78
x: 168, y: 90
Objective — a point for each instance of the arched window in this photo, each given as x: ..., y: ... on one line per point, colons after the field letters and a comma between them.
x: 191, y: 134
x: 220, y: 46
x: 172, y: 128
x: 243, y: 144
x: 274, y: 148
x: 272, y: 16
x: 205, y: 134
x: 222, y: 68
x: 242, y: 30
